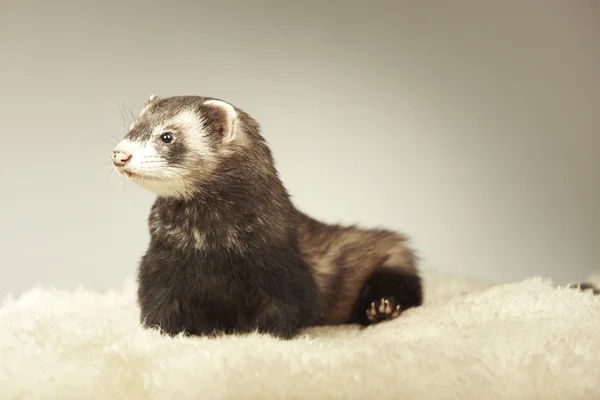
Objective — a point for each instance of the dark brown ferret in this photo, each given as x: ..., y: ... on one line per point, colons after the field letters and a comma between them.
x: 229, y: 252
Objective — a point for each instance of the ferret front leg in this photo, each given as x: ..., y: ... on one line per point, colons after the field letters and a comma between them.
x: 278, y: 319
x: 172, y: 320
x: 163, y: 316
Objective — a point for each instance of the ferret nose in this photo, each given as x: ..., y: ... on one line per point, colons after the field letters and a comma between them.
x: 120, y: 158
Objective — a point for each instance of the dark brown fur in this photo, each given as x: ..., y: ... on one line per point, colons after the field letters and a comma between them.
x: 344, y: 257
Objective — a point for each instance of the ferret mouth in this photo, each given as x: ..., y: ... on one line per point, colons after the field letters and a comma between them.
x: 138, y: 177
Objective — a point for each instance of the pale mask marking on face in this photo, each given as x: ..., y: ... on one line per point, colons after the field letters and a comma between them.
x: 151, y: 164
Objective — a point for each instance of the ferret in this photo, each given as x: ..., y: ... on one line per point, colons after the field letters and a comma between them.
x: 229, y: 253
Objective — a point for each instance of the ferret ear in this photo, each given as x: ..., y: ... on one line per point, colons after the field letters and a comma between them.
x: 221, y: 119
x: 152, y: 99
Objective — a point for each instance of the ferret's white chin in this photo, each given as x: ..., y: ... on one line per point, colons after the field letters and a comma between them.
x: 163, y: 188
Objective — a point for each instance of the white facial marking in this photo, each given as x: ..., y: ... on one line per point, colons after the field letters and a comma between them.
x: 127, y: 146
x: 189, y: 122
x: 148, y: 169
x: 145, y: 161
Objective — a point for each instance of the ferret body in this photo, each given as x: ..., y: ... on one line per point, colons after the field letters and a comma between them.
x: 229, y: 252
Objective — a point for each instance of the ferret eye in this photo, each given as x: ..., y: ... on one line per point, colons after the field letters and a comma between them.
x: 166, y: 137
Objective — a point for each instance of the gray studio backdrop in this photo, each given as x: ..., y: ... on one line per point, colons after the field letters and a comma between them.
x: 471, y: 126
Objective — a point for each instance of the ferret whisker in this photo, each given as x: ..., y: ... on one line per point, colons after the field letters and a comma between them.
x: 181, y: 177
x: 151, y: 161
x: 111, y: 174
x: 121, y: 113
x: 126, y: 117
x: 131, y: 114
x: 185, y: 168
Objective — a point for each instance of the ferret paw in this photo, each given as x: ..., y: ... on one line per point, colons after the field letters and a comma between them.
x: 383, y: 310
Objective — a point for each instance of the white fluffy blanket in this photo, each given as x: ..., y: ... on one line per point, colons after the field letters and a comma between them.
x: 525, y: 340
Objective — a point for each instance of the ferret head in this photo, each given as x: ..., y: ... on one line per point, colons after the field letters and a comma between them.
x: 177, y: 142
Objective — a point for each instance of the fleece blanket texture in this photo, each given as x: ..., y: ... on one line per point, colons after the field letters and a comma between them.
x: 471, y: 340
